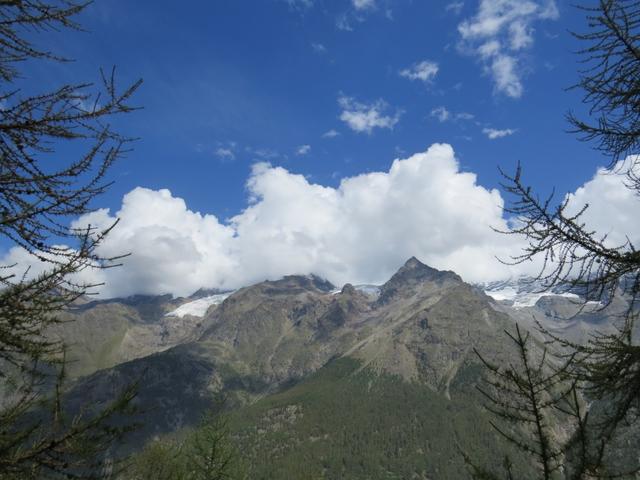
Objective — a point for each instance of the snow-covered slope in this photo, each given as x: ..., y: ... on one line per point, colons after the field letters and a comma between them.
x: 524, y: 292
x: 199, y: 307
x: 525, y: 299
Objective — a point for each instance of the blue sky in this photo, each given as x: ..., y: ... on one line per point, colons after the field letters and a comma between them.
x: 265, y: 76
x: 330, y: 90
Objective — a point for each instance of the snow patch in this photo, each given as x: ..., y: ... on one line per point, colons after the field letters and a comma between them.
x: 199, y: 307
x: 373, y: 290
x: 524, y: 299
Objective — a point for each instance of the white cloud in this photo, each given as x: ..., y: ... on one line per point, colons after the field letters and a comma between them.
x: 363, y: 117
x: 360, y: 232
x: 550, y: 10
x: 520, y: 35
x: 465, y: 116
x: 361, y: 9
x: 303, y: 149
x: 505, y: 75
x: 441, y: 113
x: 330, y: 133
x: 444, y: 115
x: 172, y: 248
x: 499, y: 31
x: 424, y: 71
x: 612, y: 206
x: 263, y: 153
x: 455, y: 7
x: 18, y: 262
x: 489, y: 49
x: 300, y: 4
x: 319, y: 48
x: 343, y: 22
x: 225, y: 153
x: 364, y: 4
x: 493, y: 133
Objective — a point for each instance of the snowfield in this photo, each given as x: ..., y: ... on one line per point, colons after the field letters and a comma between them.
x: 199, y: 307
x: 525, y: 299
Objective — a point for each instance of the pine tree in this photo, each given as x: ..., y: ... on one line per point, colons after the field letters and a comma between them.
x: 41, y: 191
x: 605, y: 369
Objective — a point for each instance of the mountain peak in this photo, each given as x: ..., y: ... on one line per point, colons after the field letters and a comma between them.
x: 414, y: 268
x: 414, y: 264
x: 414, y: 273
x: 296, y: 283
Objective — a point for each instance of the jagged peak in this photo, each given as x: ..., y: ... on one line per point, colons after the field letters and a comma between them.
x: 305, y: 282
x: 207, y: 292
x: 412, y: 273
x: 413, y: 262
x: 414, y: 267
x: 317, y: 282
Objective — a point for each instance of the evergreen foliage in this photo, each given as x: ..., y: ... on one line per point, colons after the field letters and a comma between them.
x: 605, y: 371
x: 41, y: 191
x: 349, y: 422
x: 205, y: 453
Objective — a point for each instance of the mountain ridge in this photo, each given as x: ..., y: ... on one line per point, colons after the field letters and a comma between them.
x: 272, y: 335
x: 273, y: 349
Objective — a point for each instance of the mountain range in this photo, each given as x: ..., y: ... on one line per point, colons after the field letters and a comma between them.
x: 322, y: 382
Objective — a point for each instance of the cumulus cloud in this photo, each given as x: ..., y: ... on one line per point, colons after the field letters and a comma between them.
x: 612, y: 207
x: 424, y: 71
x: 365, y: 117
x: 494, y: 133
x: 499, y: 32
x: 361, y: 231
x: 19, y: 263
x: 173, y: 249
